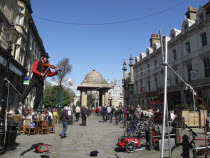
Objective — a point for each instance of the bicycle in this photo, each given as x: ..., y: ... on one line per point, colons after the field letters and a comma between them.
x: 195, y: 151
x: 136, y: 129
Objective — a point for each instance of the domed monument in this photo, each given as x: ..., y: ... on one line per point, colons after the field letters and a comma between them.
x: 94, y: 82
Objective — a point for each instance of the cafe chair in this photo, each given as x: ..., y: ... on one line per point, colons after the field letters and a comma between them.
x: 52, y: 127
x: 44, y: 127
x: 27, y: 127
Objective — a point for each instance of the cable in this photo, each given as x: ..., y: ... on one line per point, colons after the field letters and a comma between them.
x: 110, y: 23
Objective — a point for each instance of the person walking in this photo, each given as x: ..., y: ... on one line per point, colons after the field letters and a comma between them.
x: 84, y: 112
x: 64, y: 119
x: 77, y: 112
x: 138, y: 112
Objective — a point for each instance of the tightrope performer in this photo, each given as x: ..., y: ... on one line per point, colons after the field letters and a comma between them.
x: 40, y: 69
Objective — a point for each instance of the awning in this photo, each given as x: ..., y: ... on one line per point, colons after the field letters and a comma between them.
x: 160, y: 99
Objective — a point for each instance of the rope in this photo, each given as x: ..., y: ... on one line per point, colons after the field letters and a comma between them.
x: 9, y: 83
x: 186, y: 88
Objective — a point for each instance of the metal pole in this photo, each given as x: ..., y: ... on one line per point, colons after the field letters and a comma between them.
x: 4, y: 106
x: 165, y: 98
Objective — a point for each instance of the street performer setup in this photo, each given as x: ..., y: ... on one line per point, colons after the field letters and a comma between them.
x: 40, y: 69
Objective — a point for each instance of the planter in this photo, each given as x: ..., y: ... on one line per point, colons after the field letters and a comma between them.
x: 192, y: 119
x: 202, y: 117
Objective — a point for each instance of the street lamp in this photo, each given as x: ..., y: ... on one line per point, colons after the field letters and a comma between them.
x: 11, y: 36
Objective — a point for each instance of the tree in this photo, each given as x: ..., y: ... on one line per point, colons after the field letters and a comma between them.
x: 51, y: 94
x: 61, y: 79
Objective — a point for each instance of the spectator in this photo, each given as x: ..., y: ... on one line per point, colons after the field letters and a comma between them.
x: 64, y: 119
x: 77, y: 112
x: 49, y: 118
x: 172, y: 116
x: 84, y: 112
x: 108, y: 112
x: 138, y: 112
x: 132, y: 112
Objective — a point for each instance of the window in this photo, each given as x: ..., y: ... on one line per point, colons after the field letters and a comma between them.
x: 206, y: 65
x: 141, y: 86
x: 156, y: 83
x: 176, y: 79
x: 189, y: 70
x: 204, y: 39
x: 155, y: 64
x: 148, y: 66
x: 174, y: 54
x: 187, y: 47
x: 148, y: 85
x: 201, y: 17
x: 136, y: 74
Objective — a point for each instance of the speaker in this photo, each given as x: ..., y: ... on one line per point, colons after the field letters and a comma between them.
x: 42, y: 148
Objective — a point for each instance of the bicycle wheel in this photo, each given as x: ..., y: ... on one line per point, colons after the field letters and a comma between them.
x: 130, y: 147
x: 176, y: 152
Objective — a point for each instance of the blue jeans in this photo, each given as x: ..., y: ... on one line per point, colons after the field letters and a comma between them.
x: 65, y: 126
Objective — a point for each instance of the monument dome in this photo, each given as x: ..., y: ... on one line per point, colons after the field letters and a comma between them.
x: 94, y: 76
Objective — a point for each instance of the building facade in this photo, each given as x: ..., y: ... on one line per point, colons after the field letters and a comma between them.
x: 26, y: 49
x: 188, y: 56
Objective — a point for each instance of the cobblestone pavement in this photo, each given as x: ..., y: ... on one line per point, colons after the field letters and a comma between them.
x: 80, y: 140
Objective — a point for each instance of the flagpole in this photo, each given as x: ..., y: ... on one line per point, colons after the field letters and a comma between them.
x: 165, y: 96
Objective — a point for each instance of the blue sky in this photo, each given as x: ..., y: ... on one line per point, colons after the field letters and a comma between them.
x: 100, y: 34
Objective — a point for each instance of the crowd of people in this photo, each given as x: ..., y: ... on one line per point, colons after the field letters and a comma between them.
x: 108, y: 111
x: 28, y: 113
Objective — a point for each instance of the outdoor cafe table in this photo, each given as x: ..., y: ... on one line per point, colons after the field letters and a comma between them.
x: 37, y: 123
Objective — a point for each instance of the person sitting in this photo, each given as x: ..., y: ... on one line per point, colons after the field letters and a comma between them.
x: 42, y: 115
x: 35, y: 116
x: 49, y: 118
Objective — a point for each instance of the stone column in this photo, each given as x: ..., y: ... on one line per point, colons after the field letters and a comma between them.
x: 106, y: 98
x: 103, y: 97
x: 131, y: 71
x: 84, y: 98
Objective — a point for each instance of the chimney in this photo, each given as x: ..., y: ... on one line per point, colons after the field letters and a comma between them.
x: 191, y: 14
x: 155, y: 38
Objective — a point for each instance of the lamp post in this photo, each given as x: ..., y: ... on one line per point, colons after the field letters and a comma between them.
x: 11, y: 37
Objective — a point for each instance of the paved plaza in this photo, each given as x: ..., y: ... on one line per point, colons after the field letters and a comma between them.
x: 97, y: 135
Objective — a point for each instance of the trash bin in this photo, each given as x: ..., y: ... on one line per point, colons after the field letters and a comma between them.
x: 208, y: 124
x: 70, y: 122
x: 11, y: 135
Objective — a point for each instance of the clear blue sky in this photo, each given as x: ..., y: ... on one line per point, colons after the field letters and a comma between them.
x: 100, y: 34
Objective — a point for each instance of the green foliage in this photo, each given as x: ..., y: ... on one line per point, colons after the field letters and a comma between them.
x: 182, y: 106
x: 201, y: 107
x: 51, y: 93
x: 144, y: 107
x: 90, y: 100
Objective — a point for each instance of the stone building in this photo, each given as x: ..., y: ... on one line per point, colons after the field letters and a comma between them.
x: 188, y: 55
x: 26, y: 49
x: 115, y: 95
x: 94, y: 82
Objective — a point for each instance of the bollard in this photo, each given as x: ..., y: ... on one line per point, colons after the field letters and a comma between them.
x: 124, y: 125
x: 177, y: 140
x: 185, y: 146
x: 11, y: 135
x: 150, y: 138
x: 2, y: 135
x: 207, y: 124
x: 116, y: 120
x: 71, y: 120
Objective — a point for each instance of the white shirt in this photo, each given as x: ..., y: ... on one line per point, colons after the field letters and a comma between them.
x: 109, y: 109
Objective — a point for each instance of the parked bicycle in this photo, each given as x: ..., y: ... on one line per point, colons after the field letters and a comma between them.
x: 135, y: 128
x: 195, y: 151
